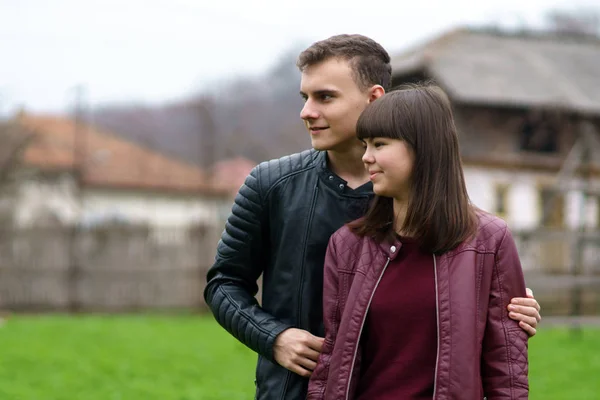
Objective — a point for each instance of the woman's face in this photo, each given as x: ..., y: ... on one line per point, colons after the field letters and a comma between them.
x: 390, y: 164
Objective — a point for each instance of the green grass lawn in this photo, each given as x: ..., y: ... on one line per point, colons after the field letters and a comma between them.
x: 564, y: 365
x: 122, y: 358
x: 191, y: 357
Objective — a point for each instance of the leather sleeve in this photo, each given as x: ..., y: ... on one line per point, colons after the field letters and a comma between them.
x: 504, y: 355
x: 239, y: 262
x: 331, y: 319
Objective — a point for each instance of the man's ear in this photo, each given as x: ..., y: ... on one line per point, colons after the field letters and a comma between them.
x: 375, y: 92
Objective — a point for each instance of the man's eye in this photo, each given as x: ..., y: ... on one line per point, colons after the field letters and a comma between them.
x: 325, y: 97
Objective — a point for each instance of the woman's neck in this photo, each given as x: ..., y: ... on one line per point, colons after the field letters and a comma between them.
x: 400, y: 211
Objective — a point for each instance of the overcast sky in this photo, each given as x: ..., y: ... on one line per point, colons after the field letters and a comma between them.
x: 154, y: 51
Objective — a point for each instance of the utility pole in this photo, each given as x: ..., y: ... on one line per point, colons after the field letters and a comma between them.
x: 586, y: 134
x: 207, y: 132
x: 74, y: 268
x: 207, y: 150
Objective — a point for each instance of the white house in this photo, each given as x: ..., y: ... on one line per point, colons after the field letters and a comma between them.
x: 74, y: 173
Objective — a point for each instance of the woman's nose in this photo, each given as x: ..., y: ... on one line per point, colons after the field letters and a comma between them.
x: 367, y: 158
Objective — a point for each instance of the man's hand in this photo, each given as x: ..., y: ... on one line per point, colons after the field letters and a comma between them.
x: 297, y: 350
x: 526, y: 310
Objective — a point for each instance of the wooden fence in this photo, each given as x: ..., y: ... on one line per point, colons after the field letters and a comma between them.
x: 107, y: 269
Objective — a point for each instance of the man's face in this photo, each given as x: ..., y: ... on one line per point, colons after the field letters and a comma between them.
x: 333, y: 103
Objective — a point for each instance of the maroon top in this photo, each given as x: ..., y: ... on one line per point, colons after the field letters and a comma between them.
x: 399, y: 339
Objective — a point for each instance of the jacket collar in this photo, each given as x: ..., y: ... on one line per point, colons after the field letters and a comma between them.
x: 335, y: 182
x: 390, y: 249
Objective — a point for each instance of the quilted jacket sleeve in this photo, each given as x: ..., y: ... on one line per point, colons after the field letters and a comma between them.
x: 331, y: 319
x: 504, y: 356
x: 232, y: 280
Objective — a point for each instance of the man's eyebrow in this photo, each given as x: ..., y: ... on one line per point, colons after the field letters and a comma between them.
x: 326, y: 91
x: 320, y: 92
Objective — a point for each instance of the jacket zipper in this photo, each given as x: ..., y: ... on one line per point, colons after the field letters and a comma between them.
x: 362, y: 324
x: 437, y: 315
x: 306, y: 233
x: 301, y: 285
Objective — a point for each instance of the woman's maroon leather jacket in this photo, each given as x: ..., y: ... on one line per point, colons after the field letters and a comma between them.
x: 481, y: 353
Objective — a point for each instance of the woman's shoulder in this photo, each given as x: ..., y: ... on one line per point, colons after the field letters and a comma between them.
x: 346, y: 240
x: 491, y: 230
x: 346, y: 235
x: 350, y: 248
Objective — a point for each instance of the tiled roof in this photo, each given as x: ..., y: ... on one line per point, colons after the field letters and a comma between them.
x: 105, y: 159
x: 231, y: 173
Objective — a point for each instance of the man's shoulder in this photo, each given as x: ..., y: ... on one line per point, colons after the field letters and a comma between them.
x: 274, y: 171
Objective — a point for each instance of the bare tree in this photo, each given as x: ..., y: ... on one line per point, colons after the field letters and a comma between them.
x: 13, y: 141
x: 576, y: 22
x: 256, y: 117
x: 208, y: 131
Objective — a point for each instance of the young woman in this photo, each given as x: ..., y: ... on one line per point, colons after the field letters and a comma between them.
x: 415, y: 292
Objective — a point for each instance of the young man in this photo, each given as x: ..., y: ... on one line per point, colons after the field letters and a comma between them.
x: 285, y: 213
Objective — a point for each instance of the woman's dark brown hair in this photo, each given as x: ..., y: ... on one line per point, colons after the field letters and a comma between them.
x: 439, y: 213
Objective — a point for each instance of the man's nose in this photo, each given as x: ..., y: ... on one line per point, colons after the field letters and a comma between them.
x: 308, y: 112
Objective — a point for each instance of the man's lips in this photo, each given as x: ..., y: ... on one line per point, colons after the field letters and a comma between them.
x: 316, y: 129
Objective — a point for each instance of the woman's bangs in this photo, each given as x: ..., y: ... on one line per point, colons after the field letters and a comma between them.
x: 377, y: 120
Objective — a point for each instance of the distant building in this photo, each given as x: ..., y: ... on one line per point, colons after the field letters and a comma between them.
x: 230, y: 174
x: 521, y: 102
x: 74, y: 173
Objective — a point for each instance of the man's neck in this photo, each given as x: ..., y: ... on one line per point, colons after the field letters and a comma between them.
x: 348, y: 165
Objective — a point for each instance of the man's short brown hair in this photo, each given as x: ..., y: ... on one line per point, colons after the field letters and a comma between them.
x: 369, y: 61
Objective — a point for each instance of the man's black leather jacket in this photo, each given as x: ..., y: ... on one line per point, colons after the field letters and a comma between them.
x: 279, y: 227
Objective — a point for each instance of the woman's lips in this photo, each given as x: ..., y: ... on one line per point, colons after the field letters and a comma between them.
x: 372, y: 175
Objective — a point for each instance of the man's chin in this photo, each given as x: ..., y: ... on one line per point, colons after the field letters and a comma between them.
x: 319, y: 145
x: 332, y: 144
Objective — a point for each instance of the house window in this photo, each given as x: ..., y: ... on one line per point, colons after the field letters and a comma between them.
x: 539, y: 133
x: 501, y: 200
x: 552, y: 208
